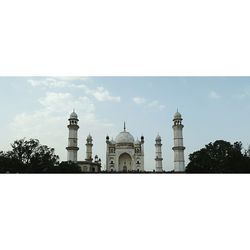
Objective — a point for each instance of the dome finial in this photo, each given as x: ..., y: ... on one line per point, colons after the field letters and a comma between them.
x: 124, y: 126
x: 158, y: 137
x: 73, y: 115
x: 177, y: 115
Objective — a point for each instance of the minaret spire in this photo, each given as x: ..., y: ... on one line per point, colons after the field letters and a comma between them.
x: 124, y: 126
x: 73, y: 137
x: 179, y: 158
x: 158, y: 155
x: 89, y: 146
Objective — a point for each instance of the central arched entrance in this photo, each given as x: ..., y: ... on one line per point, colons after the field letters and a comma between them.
x: 125, y: 163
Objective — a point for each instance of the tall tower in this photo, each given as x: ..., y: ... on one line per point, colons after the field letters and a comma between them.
x: 142, y: 151
x: 179, y: 160
x: 89, y: 146
x: 158, y: 153
x: 73, y: 137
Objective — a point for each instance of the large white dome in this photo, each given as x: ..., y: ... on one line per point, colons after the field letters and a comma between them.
x: 124, y: 138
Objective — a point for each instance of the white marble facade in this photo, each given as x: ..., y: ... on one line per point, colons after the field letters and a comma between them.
x: 179, y: 158
x: 124, y: 154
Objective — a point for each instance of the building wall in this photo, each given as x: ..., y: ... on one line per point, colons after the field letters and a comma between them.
x: 87, y: 167
x: 130, y: 154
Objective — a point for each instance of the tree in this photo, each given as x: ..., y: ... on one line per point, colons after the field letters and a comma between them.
x: 219, y: 157
x: 8, y: 165
x: 32, y: 156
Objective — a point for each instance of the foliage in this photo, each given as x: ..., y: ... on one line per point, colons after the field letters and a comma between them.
x: 28, y: 156
x: 10, y: 165
x: 220, y: 157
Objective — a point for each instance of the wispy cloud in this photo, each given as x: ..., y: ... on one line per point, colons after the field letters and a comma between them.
x: 139, y: 100
x: 242, y: 94
x: 100, y: 93
x: 156, y: 104
x: 148, y: 104
x: 58, y: 82
x: 54, y: 108
x: 48, y: 82
x: 61, y: 103
x: 214, y: 95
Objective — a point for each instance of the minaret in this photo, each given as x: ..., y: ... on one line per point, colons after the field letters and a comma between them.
x: 142, y: 141
x: 179, y: 160
x: 158, y: 152
x: 142, y: 152
x: 72, y: 141
x: 107, y: 152
x: 89, y: 146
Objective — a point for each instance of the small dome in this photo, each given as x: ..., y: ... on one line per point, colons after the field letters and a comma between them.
x: 158, y: 138
x: 124, y: 138
x: 73, y: 115
x: 112, y: 141
x: 137, y: 142
x: 177, y: 115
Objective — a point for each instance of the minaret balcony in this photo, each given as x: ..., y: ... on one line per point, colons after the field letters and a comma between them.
x: 72, y: 148
x: 158, y: 159
x: 179, y: 148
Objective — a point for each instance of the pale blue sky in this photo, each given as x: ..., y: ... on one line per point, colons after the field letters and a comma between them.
x: 212, y: 108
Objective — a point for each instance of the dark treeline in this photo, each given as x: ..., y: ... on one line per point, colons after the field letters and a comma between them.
x: 220, y: 157
x: 29, y: 156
